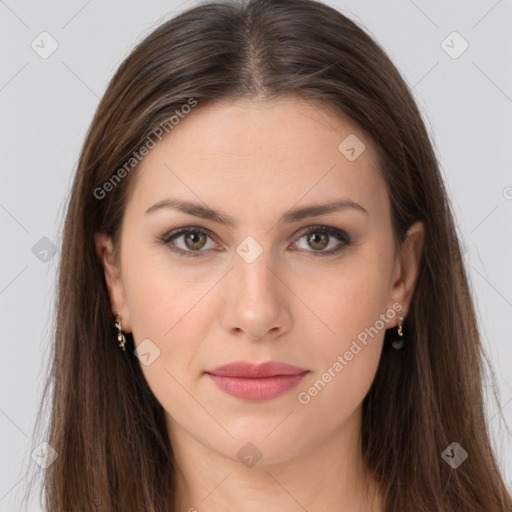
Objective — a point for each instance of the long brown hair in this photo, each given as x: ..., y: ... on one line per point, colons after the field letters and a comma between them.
x: 108, y: 429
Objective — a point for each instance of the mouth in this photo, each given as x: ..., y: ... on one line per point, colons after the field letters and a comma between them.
x: 248, y: 381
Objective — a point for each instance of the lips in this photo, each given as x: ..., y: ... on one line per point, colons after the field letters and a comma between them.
x: 246, y: 369
x: 256, y: 382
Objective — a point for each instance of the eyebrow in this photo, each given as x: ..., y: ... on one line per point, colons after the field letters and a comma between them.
x: 297, y: 214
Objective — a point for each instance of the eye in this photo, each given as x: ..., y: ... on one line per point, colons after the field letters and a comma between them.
x: 194, y: 240
x: 320, y: 237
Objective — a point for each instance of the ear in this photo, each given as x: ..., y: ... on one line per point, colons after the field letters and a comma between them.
x: 407, y: 266
x: 116, y: 292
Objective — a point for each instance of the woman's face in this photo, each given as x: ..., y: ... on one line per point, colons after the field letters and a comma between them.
x: 260, y: 288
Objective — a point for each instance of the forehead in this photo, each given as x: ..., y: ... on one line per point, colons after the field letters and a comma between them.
x: 261, y: 152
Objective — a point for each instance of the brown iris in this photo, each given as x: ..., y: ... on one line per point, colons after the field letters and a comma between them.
x: 321, y: 239
x: 197, y: 240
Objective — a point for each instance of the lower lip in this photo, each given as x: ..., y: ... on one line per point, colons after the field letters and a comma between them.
x: 262, y: 388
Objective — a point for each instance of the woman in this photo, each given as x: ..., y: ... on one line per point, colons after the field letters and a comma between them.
x: 262, y: 300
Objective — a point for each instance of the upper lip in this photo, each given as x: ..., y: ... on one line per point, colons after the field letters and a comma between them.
x: 247, y: 369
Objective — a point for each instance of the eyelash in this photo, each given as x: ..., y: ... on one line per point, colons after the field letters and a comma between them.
x: 334, y: 232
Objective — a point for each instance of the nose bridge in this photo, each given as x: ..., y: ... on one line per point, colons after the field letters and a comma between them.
x: 252, y: 275
x: 254, y: 301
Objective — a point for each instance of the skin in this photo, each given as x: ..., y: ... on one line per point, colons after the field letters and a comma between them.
x: 255, y: 160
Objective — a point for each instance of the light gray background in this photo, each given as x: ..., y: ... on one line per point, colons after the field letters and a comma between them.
x: 47, y: 105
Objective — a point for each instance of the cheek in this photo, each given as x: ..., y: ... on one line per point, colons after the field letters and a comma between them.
x: 352, y: 304
x: 165, y: 308
x: 168, y: 306
x: 347, y: 359
x: 349, y: 296
x: 162, y: 296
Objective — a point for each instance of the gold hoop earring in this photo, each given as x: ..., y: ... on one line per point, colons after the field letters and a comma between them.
x: 120, y: 334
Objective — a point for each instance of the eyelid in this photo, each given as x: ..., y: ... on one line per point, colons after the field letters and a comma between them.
x: 331, y: 230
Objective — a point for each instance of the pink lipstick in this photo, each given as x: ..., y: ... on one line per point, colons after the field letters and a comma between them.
x: 256, y: 382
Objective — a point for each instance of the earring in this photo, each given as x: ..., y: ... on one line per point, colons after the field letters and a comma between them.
x: 120, y: 334
x: 399, y: 343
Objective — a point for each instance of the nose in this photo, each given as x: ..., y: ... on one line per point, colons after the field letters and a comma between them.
x: 256, y: 300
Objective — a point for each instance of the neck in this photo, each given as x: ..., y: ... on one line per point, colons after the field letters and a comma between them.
x: 327, y: 477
